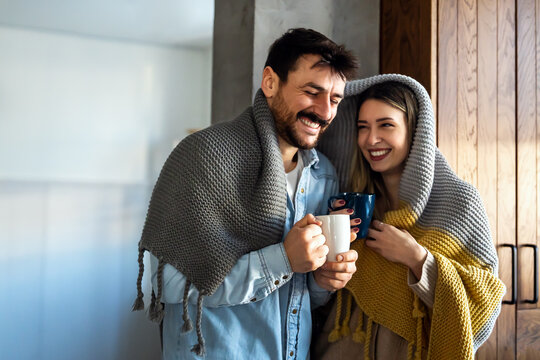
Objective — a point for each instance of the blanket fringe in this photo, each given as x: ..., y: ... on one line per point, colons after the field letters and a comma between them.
x: 341, y: 329
x: 188, y: 325
x: 199, y: 348
x: 335, y: 334
x: 138, y: 304
x: 156, y: 308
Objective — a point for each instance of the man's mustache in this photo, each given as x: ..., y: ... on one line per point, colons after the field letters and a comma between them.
x: 311, y: 116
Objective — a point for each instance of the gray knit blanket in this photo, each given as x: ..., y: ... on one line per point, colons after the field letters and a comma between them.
x: 445, y: 215
x: 221, y: 194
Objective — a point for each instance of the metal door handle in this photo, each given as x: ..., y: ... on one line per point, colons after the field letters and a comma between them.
x: 514, y: 274
x: 535, y: 298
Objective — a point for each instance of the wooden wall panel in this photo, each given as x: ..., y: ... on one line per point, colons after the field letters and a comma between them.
x: 487, y: 130
x: 405, y: 31
x: 506, y: 177
x: 537, y: 43
x: 447, y: 81
x: 526, y: 145
x: 528, y: 317
x: 488, y: 109
x: 529, y: 336
x: 467, y: 104
x: 434, y: 91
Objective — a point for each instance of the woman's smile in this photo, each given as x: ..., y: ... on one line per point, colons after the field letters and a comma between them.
x: 378, y: 154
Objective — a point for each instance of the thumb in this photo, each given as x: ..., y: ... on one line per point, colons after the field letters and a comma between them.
x: 309, y: 219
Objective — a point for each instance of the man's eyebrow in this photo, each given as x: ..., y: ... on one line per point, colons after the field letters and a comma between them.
x: 322, y: 89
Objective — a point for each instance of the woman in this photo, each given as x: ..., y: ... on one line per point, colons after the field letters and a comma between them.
x: 426, y: 283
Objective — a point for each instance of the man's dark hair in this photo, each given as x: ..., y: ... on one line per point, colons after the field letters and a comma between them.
x: 286, y: 50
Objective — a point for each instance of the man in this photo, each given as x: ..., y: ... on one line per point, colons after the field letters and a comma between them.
x: 230, y: 226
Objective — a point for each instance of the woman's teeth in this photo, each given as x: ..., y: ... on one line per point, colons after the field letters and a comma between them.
x: 379, y: 152
x: 309, y: 123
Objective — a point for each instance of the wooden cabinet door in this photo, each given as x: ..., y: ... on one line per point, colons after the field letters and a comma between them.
x: 528, y: 178
x: 483, y: 74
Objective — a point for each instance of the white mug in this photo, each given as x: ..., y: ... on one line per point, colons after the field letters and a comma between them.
x: 337, y: 231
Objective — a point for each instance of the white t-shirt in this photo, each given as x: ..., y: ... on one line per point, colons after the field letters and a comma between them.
x: 294, y: 176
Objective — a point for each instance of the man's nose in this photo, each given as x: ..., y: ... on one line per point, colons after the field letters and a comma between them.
x: 324, y: 109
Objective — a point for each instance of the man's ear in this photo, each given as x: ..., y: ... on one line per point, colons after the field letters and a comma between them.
x: 270, y: 82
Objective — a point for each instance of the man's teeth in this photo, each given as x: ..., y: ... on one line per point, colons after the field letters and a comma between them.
x: 309, y: 123
x: 379, y: 152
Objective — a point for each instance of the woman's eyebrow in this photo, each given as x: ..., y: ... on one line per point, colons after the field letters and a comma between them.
x: 378, y: 120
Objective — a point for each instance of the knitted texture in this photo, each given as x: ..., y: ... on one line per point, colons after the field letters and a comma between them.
x: 446, y: 216
x: 221, y: 194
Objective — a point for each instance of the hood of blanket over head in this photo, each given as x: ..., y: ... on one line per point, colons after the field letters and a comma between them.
x: 339, y: 141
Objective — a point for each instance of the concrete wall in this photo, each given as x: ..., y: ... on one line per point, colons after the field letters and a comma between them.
x: 356, y: 24
x: 351, y: 22
x: 233, y: 58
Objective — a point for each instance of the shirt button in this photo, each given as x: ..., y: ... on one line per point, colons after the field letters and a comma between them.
x: 276, y: 282
x: 292, y: 353
x: 294, y: 311
x: 302, y: 191
x: 285, y: 277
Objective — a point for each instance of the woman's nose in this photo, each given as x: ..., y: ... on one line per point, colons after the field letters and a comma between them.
x: 373, y: 137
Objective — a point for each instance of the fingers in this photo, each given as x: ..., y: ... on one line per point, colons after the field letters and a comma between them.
x: 313, y: 230
x: 372, y: 234
x: 338, y: 203
x: 309, y: 219
x: 353, y: 234
x: 333, y: 276
x: 379, y: 225
x: 346, y: 262
x: 337, y: 275
x: 339, y: 267
x: 321, y: 251
x: 342, y: 211
x: 317, y: 241
x: 350, y: 255
x: 331, y: 281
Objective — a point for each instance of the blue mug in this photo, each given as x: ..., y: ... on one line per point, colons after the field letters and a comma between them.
x: 362, y: 204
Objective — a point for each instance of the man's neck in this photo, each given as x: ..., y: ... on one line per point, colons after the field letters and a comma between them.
x: 288, y: 154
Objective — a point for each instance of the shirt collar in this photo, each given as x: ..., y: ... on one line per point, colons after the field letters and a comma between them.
x: 309, y: 157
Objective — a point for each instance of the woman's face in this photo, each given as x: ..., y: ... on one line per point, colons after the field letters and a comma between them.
x: 382, y: 136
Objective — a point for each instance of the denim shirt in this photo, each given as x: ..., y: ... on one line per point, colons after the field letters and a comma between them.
x: 262, y: 310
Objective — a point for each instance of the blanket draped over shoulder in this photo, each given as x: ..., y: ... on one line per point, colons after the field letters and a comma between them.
x: 221, y: 194
x: 446, y: 216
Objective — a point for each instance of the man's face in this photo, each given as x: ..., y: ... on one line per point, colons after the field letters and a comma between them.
x: 305, y: 105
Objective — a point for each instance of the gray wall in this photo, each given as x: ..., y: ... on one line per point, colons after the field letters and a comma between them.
x: 243, y: 33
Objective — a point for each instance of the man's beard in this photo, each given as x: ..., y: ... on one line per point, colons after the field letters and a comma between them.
x: 286, y: 121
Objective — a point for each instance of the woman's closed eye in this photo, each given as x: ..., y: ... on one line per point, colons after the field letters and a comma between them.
x: 361, y: 125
